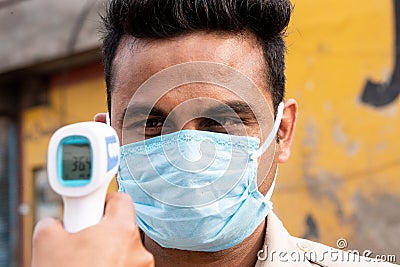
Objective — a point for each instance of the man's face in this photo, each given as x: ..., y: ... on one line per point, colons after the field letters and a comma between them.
x: 194, y: 106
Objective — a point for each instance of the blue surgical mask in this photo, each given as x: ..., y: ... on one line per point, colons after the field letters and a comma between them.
x: 196, y: 190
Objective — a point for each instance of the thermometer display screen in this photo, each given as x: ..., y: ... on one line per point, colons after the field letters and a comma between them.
x: 76, y: 162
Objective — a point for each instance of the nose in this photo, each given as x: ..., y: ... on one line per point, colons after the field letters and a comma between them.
x: 179, y: 124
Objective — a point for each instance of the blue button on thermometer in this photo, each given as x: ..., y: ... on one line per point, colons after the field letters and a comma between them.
x: 82, y: 160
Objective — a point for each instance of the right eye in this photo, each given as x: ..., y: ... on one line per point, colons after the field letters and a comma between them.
x: 152, y: 123
x: 153, y: 127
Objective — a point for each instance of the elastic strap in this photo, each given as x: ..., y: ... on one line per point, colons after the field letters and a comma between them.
x: 272, y: 134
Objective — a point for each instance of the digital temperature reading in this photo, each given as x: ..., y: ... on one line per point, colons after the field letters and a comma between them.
x: 76, y: 162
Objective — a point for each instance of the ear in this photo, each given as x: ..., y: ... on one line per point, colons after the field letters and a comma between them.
x: 101, y: 117
x: 287, y: 129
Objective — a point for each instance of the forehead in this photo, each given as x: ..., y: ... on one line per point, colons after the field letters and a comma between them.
x: 138, y: 60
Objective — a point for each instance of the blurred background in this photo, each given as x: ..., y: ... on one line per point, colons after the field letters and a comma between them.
x: 343, y: 67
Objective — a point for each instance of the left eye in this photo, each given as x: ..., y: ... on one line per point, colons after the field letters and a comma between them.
x: 151, y: 123
x: 220, y: 124
x: 223, y: 121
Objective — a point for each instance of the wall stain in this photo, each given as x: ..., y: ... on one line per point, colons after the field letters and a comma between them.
x: 320, y: 184
x: 383, y: 94
x: 376, y: 224
x: 312, y: 231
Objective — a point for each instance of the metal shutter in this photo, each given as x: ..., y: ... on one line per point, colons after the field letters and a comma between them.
x: 8, y: 193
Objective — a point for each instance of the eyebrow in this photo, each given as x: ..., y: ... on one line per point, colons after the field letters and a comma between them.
x: 238, y: 107
x: 142, y: 110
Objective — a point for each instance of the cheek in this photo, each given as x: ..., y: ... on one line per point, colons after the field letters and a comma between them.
x: 266, y: 183
x: 117, y: 126
x: 253, y: 130
x: 262, y: 171
x: 118, y: 105
x: 119, y: 133
x: 267, y: 166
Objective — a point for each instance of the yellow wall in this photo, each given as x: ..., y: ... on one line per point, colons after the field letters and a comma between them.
x: 343, y: 177
x: 344, y: 172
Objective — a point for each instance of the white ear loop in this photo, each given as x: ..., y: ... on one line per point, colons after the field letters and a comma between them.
x: 108, y: 121
x: 268, y: 195
x: 272, y: 134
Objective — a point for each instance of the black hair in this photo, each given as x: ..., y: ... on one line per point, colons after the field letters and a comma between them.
x: 158, y: 19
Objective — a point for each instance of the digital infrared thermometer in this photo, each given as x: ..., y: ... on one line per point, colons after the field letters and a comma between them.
x: 81, y: 162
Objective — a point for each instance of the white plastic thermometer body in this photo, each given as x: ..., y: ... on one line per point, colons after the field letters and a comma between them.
x: 82, y: 160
